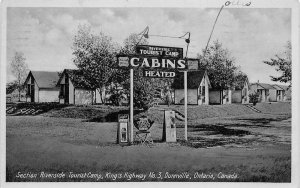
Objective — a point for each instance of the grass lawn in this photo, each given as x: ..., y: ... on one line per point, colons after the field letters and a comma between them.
x: 224, y: 145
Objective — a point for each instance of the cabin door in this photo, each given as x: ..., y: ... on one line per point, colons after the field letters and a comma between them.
x: 32, y: 93
x: 66, y: 89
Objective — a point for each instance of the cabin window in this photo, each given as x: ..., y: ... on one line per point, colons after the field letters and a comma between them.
x: 203, y: 94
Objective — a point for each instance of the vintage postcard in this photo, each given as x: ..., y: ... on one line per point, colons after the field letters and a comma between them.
x: 194, y: 92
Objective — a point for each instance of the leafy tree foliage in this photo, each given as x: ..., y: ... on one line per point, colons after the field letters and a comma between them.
x: 94, y: 57
x: 253, y: 98
x: 142, y: 97
x: 11, y: 86
x: 19, y: 69
x: 239, y: 80
x: 282, y: 64
x: 220, y: 66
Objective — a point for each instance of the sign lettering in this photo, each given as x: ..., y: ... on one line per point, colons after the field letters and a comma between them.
x: 158, y: 74
x: 160, y: 51
x: 153, y: 63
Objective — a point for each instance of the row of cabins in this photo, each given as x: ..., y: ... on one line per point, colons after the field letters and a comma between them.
x: 68, y: 87
x: 201, y: 92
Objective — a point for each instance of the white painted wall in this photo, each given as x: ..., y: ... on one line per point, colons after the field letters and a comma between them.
x: 98, y: 96
x: 71, y: 93
x: 272, y: 95
x: 204, y: 82
x: 192, y: 96
x: 83, y: 96
x: 214, y: 97
x: 245, y: 92
x: 280, y: 96
x: 227, y: 99
x: 46, y: 95
x: 236, y: 96
x: 263, y: 96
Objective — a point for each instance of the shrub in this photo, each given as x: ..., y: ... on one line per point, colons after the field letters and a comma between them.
x: 253, y: 97
x: 116, y: 97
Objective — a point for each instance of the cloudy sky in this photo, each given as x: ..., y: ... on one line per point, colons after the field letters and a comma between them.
x: 45, y: 35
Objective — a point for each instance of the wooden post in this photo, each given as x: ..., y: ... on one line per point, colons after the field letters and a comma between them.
x: 185, y: 105
x: 131, y: 106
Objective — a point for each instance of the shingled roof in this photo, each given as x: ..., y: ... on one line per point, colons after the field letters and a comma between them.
x: 283, y: 87
x: 265, y: 86
x: 277, y: 87
x: 76, y: 78
x: 194, y: 79
x: 44, y: 79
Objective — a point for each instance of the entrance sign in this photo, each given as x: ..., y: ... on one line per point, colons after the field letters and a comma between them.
x: 156, y: 62
x: 169, y: 129
x: 152, y: 62
x: 122, y: 136
x: 161, y: 51
x: 158, y: 74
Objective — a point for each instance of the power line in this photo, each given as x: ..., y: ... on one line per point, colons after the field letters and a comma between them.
x: 212, y: 31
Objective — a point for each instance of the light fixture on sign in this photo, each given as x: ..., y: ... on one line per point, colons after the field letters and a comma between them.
x: 145, y: 34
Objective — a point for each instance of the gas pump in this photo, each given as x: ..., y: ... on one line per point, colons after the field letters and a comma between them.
x: 169, y: 127
x: 122, y: 135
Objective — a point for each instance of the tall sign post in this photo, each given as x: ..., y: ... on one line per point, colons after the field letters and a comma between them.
x: 131, y: 106
x: 185, y: 105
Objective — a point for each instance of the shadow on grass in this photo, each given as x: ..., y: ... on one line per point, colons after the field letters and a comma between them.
x: 113, y: 116
x: 217, y: 129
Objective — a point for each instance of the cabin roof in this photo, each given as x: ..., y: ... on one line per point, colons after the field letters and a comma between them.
x: 264, y: 86
x: 283, y: 87
x: 194, y: 79
x: 44, y: 79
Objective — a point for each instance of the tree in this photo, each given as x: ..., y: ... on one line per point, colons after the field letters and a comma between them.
x: 282, y: 64
x: 19, y: 69
x: 11, y: 86
x: 239, y: 80
x: 220, y: 66
x: 94, y: 57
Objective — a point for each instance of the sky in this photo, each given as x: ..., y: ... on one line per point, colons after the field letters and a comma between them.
x: 252, y: 35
